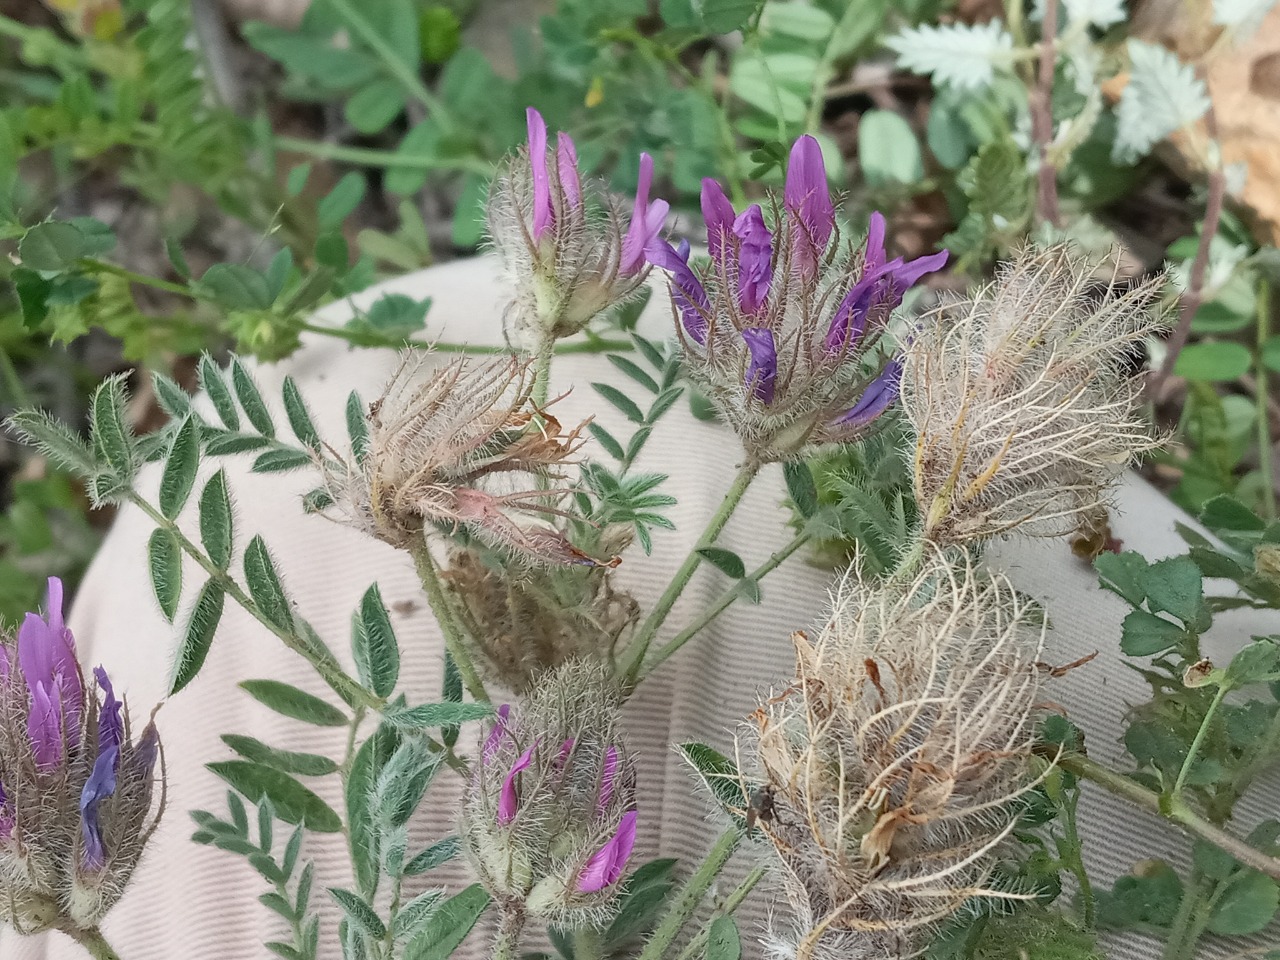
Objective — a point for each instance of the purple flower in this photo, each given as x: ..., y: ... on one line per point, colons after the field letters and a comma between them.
x: 46, y: 656
x: 100, y: 785
x: 808, y: 203
x: 495, y: 735
x: 510, y: 797
x: 543, y: 215
x: 762, y: 367
x: 755, y: 259
x: 687, y: 292
x: 567, y: 166
x: 718, y: 213
x: 876, y: 398
x: 606, y: 865
x: 110, y: 726
x: 647, y: 218
x: 608, y: 776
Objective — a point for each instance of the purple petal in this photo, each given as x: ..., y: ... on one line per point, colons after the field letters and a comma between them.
x: 873, y: 256
x: 608, y: 778
x: 686, y: 290
x: 606, y: 866
x: 906, y: 275
x: 876, y: 399
x: 110, y: 727
x: 509, y: 799
x: 542, y: 212
x: 808, y: 200
x: 647, y: 219
x: 850, y: 320
x: 44, y: 726
x: 100, y: 785
x: 142, y: 760
x: 46, y: 656
x: 495, y: 735
x: 567, y: 168
x: 755, y: 259
x: 717, y: 211
x: 566, y: 748
x: 762, y: 370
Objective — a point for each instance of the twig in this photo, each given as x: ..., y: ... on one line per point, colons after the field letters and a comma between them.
x: 1042, y: 120
x: 1194, y: 294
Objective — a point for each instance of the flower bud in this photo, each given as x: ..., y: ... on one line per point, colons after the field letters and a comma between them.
x: 75, y: 788
x: 896, y: 758
x: 549, y: 817
x: 780, y: 329
x: 563, y: 242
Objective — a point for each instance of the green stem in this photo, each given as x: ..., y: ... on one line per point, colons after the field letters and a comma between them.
x: 509, y: 930
x: 1190, y: 921
x: 93, y: 941
x: 822, y: 76
x: 323, y: 662
x: 542, y: 373
x: 691, y: 895
x: 726, y: 599
x: 371, y: 157
x: 1173, y: 810
x: 1194, y: 752
x: 448, y: 620
x: 105, y: 266
x: 644, y: 637
x: 1075, y: 861
x: 731, y: 903
x: 1261, y: 396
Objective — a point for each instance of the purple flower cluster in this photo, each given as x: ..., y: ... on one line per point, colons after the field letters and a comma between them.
x: 70, y: 778
x: 780, y: 327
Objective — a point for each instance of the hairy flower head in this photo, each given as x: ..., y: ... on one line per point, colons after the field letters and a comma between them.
x: 549, y: 817
x: 896, y: 759
x: 462, y: 449
x: 568, y: 246
x: 780, y: 328
x: 1020, y: 399
x: 75, y: 785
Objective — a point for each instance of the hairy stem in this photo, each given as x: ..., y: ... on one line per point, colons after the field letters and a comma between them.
x: 639, y: 646
x: 1262, y: 396
x: 93, y: 941
x: 726, y: 600
x: 1075, y: 861
x: 1196, y: 743
x: 1172, y: 809
x: 321, y: 660
x: 691, y: 895
x: 1190, y: 921
x: 1042, y: 119
x: 731, y: 903
x: 448, y: 620
x: 510, y: 928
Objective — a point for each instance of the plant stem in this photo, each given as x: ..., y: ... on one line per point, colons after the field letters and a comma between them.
x: 1194, y: 751
x: 726, y: 599
x: 93, y: 941
x: 364, y: 338
x: 1042, y: 119
x: 1261, y: 396
x: 1075, y: 862
x: 106, y: 266
x: 542, y: 373
x: 822, y: 75
x: 731, y: 903
x: 587, y: 944
x: 448, y: 620
x: 691, y: 895
x: 509, y: 930
x: 644, y: 637
x: 1172, y: 809
x: 321, y: 660
x: 371, y: 157
x: 1190, y: 921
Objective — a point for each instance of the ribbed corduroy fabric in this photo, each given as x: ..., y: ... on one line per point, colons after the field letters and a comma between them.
x: 196, y: 903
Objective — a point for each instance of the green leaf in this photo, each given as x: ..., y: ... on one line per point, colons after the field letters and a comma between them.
x: 606, y: 440
x: 295, y: 703
x: 1224, y: 512
x: 264, y: 585
x: 962, y: 56
x: 888, y: 151
x: 359, y: 913
x: 1259, y: 662
x: 363, y: 831
x: 297, y: 179
x: 620, y: 400
x: 281, y: 460
x: 402, y: 783
x: 450, y: 925
x: 633, y: 370
x: 726, y: 16
x: 1144, y: 634
x: 440, y: 852
x: 1163, y: 95
x: 287, y: 761
x: 33, y: 293
x: 718, y: 774
x: 112, y: 438
x: 180, y: 468
x: 723, y: 941
x: 412, y: 916
x: 1175, y: 586
x: 1124, y: 574
x: 357, y: 426
x: 164, y: 560
x: 726, y: 561
x: 237, y: 287
x: 219, y: 395
x: 198, y: 636
x: 1152, y: 897
x: 295, y: 409
x: 255, y: 408
x: 54, y: 439
x: 172, y: 398
x: 1246, y: 906
x: 801, y: 487
x: 776, y: 84
x: 341, y: 200
x: 292, y: 802
x: 427, y: 715
x: 374, y: 106
x: 374, y: 645
x: 216, y: 523
x: 1213, y: 361
x: 52, y: 245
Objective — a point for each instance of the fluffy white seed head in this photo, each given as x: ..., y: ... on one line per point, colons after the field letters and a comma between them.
x: 1023, y: 408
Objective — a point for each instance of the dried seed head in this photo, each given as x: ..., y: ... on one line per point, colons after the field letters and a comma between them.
x: 780, y: 330
x: 896, y: 759
x: 75, y: 786
x: 531, y: 620
x: 549, y: 817
x: 567, y: 245
x: 1023, y: 408
x: 461, y: 450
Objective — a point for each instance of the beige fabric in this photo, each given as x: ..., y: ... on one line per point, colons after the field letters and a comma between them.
x: 194, y: 902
